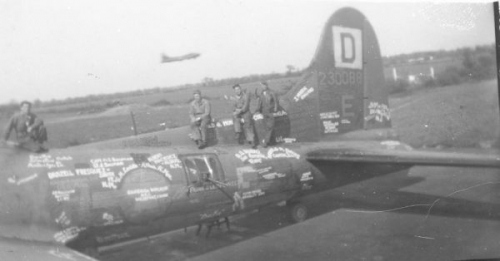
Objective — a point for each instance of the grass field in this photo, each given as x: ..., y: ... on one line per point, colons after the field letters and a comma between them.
x: 454, y: 116
x: 465, y: 115
x: 173, y: 97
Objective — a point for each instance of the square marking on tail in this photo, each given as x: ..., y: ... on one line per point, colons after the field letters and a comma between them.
x: 347, y: 47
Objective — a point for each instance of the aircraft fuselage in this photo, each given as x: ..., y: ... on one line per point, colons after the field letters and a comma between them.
x: 104, y: 197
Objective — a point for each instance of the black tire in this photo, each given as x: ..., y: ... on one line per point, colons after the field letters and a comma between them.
x: 86, y: 245
x: 298, y: 212
x: 91, y: 251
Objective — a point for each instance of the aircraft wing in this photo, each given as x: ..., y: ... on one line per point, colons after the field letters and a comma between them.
x: 406, y: 156
x: 17, y: 249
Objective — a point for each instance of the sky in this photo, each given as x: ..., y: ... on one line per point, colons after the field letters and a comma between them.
x: 55, y: 49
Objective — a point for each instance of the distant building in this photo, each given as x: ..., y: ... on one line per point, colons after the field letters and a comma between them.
x: 417, y: 70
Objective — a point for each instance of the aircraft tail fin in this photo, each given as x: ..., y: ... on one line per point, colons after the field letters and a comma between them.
x: 341, y: 95
x: 343, y: 89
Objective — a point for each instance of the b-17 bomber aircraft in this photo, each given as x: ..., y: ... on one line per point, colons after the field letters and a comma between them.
x: 169, y: 59
x: 334, y: 121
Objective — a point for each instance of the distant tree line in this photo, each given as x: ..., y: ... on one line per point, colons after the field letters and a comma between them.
x: 113, y: 98
x: 476, y: 64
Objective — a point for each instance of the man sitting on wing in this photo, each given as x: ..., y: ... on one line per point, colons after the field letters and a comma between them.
x: 199, y: 113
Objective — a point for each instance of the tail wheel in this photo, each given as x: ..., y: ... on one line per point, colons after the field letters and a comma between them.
x: 298, y: 212
x: 91, y: 251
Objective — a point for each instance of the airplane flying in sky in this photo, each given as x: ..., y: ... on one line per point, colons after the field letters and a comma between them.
x: 169, y: 59
x: 335, y: 120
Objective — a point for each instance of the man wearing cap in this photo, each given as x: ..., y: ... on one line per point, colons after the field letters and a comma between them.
x: 199, y: 113
x: 268, y: 105
x: 241, y: 112
x: 30, y: 131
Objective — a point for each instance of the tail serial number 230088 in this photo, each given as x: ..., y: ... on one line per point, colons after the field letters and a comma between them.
x: 348, y: 78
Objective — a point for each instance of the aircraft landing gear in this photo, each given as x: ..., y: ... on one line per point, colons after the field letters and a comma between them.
x: 298, y: 211
x: 86, y: 245
x: 91, y: 251
x: 209, y: 226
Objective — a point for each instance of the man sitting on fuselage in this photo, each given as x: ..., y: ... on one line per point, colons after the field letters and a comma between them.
x: 241, y: 112
x: 30, y: 131
x: 199, y: 113
x: 268, y: 105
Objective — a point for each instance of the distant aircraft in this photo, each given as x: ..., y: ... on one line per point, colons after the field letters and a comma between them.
x: 334, y: 122
x: 169, y: 59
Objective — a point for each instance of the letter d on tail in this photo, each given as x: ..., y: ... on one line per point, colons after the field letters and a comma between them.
x: 347, y: 47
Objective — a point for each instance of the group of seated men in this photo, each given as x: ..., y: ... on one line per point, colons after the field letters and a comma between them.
x: 31, y: 132
x: 268, y: 103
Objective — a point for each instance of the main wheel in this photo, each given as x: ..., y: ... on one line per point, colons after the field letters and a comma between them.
x: 298, y: 212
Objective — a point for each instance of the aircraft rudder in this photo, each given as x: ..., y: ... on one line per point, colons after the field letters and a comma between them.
x: 343, y: 89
